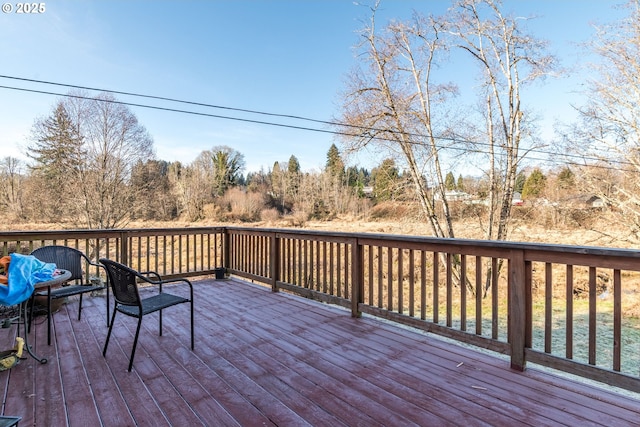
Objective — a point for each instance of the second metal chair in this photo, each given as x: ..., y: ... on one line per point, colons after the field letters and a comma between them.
x: 124, y: 284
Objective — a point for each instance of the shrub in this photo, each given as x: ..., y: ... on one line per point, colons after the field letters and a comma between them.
x: 238, y: 205
x: 269, y: 215
x: 391, y: 210
x: 297, y: 219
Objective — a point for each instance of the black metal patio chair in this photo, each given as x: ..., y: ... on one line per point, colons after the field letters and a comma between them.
x: 71, y: 259
x: 124, y: 284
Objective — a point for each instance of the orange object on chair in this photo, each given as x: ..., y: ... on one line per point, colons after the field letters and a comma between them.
x: 4, y: 265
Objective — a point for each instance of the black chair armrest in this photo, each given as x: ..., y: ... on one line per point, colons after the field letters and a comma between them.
x: 161, y: 282
x: 95, y: 264
x: 145, y: 274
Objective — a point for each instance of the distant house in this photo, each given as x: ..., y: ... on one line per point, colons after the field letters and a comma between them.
x: 517, y: 199
x: 595, y: 202
x: 584, y: 201
x: 454, y: 196
x: 367, y: 190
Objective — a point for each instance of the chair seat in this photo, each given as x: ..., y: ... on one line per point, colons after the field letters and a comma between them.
x: 151, y: 304
x: 66, y: 291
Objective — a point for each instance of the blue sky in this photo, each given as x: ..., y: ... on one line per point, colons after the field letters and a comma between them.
x: 284, y: 57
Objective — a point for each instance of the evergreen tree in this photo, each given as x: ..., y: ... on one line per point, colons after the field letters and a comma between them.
x: 57, y: 151
x: 293, y: 166
x: 293, y: 176
x: 534, y: 185
x: 228, y: 165
x: 335, y: 165
x: 450, y: 182
x: 57, y: 148
x: 520, y: 180
x: 385, y: 180
x: 460, y: 184
x: 566, y: 179
x: 277, y: 182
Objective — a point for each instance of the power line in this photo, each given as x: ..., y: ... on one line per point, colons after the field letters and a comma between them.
x: 174, y: 110
x: 218, y: 116
x: 287, y: 116
x: 162, y: 98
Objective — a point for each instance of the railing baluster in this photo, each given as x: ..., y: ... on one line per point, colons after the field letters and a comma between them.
x: 569, y: 313
x: 449, y: 288
x: 412, y: 294
x: 338, y: 270
x: 592, y: 315
x: 479, y: 294
x: 436, y: 287
x: 390, y: 278
x: 548, y: 307
x: 617, y: 320
x: 495, y: 330
x: 380, y: 282
x: 400, y: 282
x: 423, y: 285
x: 463, y: 292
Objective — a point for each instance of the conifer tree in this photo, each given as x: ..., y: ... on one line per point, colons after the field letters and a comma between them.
x: 57, y: 148
x: 534, y: 185
x: 450, y: 182
x: 335, y: 165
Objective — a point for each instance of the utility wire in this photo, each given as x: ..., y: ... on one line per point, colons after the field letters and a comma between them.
x: 287, y: 116
x: 162, y: 98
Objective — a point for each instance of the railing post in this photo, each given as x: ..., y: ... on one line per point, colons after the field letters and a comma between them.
x: 226, y: 248
x: 517, y: 309
x: 357, y: 277
x: 274, y: 261
x: 124, y: 248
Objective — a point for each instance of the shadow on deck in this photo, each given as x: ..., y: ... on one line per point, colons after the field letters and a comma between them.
x: 266, y: 358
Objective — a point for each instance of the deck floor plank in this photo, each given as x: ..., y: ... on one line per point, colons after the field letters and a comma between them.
x: 383, y: 372
x: 79, y: 405
x: 381, y: 404
x: 273, y: 359
x: 110, y: 406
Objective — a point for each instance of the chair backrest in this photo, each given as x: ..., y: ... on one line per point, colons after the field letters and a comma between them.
x: 63, y: 257
x: 123, y: 282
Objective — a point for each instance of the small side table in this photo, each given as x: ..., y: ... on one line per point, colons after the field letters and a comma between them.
x: 62, y: 277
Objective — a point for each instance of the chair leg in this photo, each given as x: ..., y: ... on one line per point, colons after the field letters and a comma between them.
x: 27, y: 327
x: 106, y: 343
x: 49, y: 316
x: 135, y: 343
x: 192, y: 335
x: 107, y: 302
x: 80, y: 307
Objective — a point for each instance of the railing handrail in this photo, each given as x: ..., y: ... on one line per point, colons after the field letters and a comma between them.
x: 443, y: 241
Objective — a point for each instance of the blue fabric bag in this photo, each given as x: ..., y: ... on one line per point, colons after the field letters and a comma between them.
x: 24, y: 272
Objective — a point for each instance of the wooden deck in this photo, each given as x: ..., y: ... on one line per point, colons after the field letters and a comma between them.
x: 271, y: 359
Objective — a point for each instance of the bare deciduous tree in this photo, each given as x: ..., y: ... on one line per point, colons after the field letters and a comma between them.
x: 395, y: 101
x: 508, y: 59
x: 11, y: 191
x: 105, y: 141
x: 607, y: 135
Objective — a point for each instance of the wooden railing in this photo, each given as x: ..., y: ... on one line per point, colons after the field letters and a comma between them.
x: 171, y: 252
x: 570, y: 308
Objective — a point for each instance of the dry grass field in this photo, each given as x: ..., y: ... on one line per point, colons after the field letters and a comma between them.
x: 604, y: 231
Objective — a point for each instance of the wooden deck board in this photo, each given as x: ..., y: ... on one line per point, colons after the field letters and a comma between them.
x: 272, y: 359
